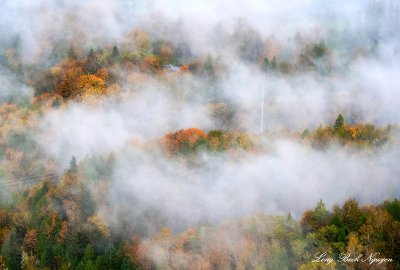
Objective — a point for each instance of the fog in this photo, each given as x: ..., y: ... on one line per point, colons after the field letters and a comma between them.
x: 93, y: 23
x: 11, y: 89
x: 288, y: 179
x: 286, y: 176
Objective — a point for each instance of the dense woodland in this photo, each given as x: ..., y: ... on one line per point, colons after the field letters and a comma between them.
x: 54, y: 226
x: 52, y: 216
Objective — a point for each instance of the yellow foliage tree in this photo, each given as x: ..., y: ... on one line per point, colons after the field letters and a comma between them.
x: 91, y: 85
x: 29, y: 262
x: 137, y: 41
x: 137, y: 253
x: 3, y: 264
x: 165, y: 53
x: 100, y: 225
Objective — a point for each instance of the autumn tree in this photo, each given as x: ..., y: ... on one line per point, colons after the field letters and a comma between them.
x: 216, y: 140
x: 314, y: 219
x: 138, y: 41
x: 137, y: 253
x: 30, y: 242
x: 321, y: 138
x: 91, y: 85
x: 29, y: 262
x: 151, y: 63
x: 222, y: 114
x: 351, y: 215
x: 185, y: 140
x: 103, y: 74
x: 163, y: 50
x: 3, y: 265
x: 67, y: 87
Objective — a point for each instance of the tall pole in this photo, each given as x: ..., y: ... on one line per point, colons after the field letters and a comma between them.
x: 262, y: 110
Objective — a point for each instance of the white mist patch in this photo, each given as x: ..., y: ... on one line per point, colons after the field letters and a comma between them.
x: 81, y: 130
x: 368, y: 92
x: 288, y: 179
x: 291, y: 178
x: 12, y: 90
x: 379, y: 81
x: 100, y: 22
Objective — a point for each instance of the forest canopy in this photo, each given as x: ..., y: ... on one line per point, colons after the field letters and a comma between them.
x: 199, y: 135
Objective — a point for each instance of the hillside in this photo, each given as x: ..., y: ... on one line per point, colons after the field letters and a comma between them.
x: 199, y: 135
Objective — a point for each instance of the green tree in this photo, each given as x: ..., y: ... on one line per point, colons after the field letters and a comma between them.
x: 75, y: 245
x: 73, y: 167
x: 88, y: 259
x: 111, y: 259
x: 339, y: 123
x: 115, y: 56
x: 305, y: 133
x: 47, y: 240
x: 319, y: 49
x: 72, y: 54
x: 393, y: 207
x: 352, y: 216
x: 321, y: 214
x: 209, y: 66
x: 265, y: 65
x: 92, y: 63
x: 274, y: 64
x: 11, y: 252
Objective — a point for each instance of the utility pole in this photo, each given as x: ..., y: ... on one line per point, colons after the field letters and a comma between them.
x: 262, y: 110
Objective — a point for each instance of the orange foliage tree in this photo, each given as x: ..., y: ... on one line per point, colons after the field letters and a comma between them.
x: 164, y: 51
x: 184, y: 139
x: 151, y: 63
x: 30, y: 241
x: 66, y: 75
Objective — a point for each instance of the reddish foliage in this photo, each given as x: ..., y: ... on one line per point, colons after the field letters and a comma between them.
x: 174, y: 141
